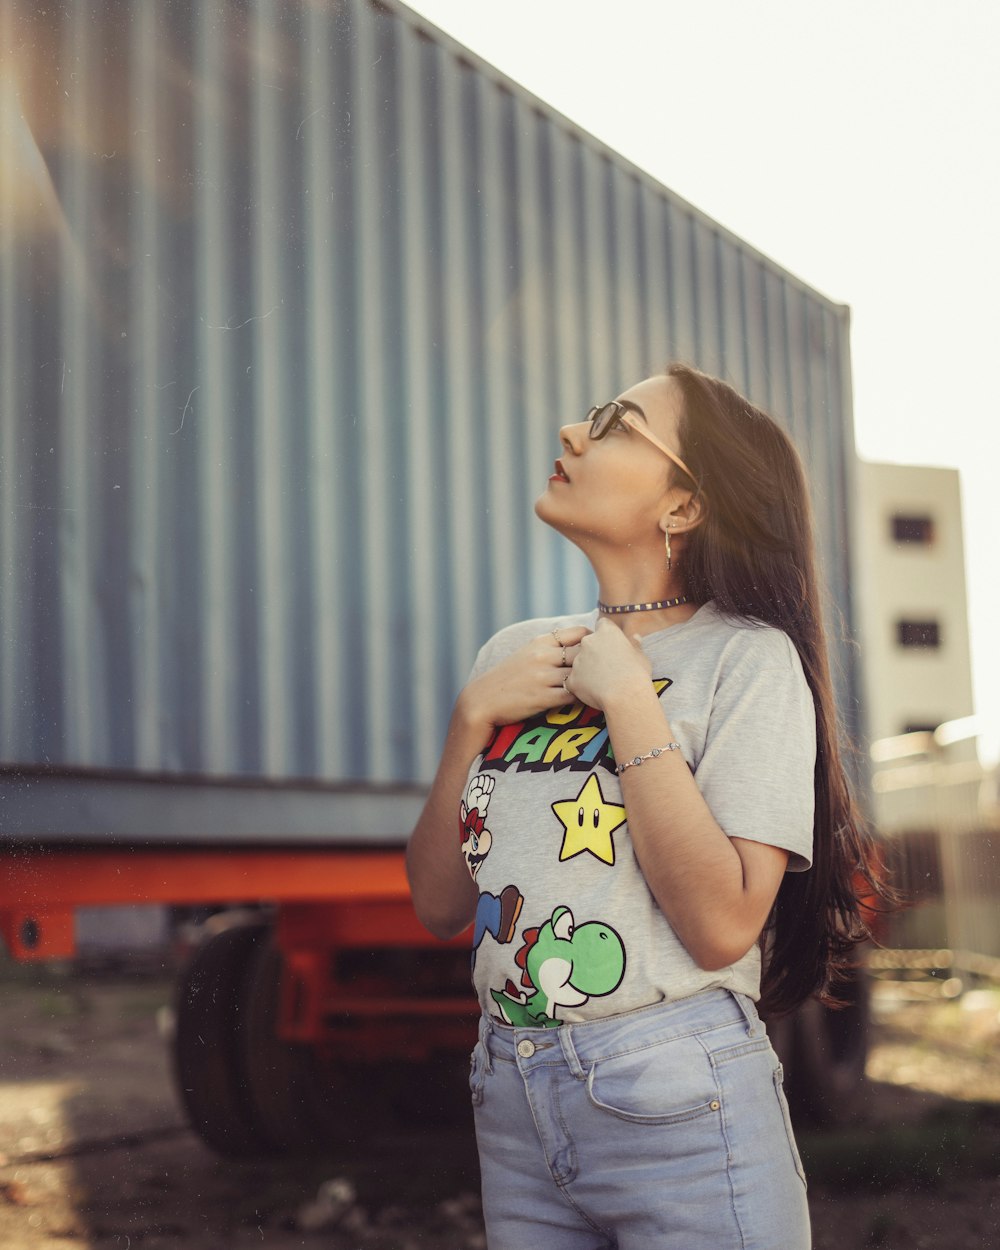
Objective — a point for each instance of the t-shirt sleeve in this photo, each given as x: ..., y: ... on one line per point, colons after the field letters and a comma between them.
x: 504, y: 643
x: 756, y: 772
x: 483, y: 660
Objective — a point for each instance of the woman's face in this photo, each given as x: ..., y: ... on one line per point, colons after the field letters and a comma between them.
x: 614, y: 490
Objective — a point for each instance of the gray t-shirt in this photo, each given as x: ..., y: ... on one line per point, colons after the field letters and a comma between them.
x: 566, y: 928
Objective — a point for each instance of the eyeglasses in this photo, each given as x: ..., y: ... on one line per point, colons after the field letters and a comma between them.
x: 604, y: 417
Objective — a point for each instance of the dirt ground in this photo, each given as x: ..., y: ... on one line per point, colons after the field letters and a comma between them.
x: 94, y: 1152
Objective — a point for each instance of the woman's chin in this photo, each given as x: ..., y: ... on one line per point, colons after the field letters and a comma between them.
x: 544, y: 509
x: 547, y: 509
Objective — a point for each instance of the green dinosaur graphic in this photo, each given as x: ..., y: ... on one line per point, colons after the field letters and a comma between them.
x: 563, y: 966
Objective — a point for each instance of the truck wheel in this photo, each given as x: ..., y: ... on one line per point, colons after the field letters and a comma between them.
x: 207, y: 1042
x: 829, y: 1049
x: 292, y: 1102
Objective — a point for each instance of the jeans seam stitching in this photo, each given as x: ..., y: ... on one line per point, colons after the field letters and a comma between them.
x: 652, y: 1121
x: 564, y: 1130
x: 562, y: 1186
x: 723, y: 1120
x: 571, y: 1200
x: 793, y: 1146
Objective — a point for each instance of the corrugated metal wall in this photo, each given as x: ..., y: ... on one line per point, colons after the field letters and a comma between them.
x: 294, y: 297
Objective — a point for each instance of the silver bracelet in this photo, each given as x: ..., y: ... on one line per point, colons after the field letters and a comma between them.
x: 651, y: 755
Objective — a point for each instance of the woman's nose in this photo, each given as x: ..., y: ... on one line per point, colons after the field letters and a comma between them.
x: 573, y: 436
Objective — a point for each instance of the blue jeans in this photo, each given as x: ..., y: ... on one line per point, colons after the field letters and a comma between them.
x: 663, y: 1128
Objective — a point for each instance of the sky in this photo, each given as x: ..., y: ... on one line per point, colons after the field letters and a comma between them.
x: 857, y: 143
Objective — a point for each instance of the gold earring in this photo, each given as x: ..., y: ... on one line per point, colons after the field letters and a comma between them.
x: 670, y: 562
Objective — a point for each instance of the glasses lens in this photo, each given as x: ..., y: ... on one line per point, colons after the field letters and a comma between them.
x: 602, y: 419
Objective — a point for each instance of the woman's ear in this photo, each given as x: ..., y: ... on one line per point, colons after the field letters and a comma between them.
x: 685, y: 511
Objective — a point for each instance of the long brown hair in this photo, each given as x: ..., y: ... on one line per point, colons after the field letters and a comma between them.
x: 754, y: 555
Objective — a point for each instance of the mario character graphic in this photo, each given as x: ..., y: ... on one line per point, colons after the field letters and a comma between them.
x: 562, y: 966
x: 496, y: 914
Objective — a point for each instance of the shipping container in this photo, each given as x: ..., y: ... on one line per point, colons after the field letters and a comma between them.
x: 294, y: 297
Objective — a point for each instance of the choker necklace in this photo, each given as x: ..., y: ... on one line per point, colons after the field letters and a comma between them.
x: 614, y: 609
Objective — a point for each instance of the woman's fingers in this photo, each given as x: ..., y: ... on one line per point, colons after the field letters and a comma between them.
x: 560, y: 662
x: 565, y: 645
x: 570, y: 635
x: 558, y: 696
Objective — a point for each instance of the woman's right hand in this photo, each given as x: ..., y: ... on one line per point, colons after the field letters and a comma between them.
x: 527, y: 682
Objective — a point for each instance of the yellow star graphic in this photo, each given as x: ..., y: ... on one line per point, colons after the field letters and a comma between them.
x: 589, y: 823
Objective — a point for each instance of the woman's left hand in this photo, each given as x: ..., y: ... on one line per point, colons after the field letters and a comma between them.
x: 608, y: 666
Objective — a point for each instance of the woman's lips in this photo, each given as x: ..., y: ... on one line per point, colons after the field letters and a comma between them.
x: 560, y: 473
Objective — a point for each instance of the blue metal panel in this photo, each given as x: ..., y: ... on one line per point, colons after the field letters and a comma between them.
x: 294, y: 299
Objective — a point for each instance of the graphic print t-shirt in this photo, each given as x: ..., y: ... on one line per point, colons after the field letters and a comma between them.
x: 566, y: 928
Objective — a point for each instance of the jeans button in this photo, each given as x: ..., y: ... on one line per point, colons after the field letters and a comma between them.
x: 526, y: 1049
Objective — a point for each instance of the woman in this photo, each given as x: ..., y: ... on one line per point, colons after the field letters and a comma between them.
x: 639, y: 791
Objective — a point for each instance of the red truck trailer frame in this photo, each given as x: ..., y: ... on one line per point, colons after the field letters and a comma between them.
x: 327, y: 902
x: 311, y: 973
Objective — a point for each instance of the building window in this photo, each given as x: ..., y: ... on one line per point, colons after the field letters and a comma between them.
x: 912, y: 529
x: 918, y: 633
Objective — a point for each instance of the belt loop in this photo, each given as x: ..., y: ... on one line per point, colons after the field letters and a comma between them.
x: 565, y: 1034
x: 749, y: 1011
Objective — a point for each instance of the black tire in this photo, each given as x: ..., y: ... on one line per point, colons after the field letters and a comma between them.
x: 829, y: 1049
x: 292, y: 1100
x: 210, y: 1019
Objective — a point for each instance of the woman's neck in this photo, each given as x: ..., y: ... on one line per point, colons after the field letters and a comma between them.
x: 641, y: 581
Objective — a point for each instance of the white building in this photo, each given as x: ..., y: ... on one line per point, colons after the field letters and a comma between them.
x: 911, y: 605
x: 931, y: 796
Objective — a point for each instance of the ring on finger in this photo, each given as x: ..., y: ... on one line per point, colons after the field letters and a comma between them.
x: 555, y: 635
x: 565, y: 662
x: 565, y: 680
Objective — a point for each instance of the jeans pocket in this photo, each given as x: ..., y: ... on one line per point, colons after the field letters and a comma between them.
x: 477, y: 1074
x: 665, y: 1083
x: 779, y: 1089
